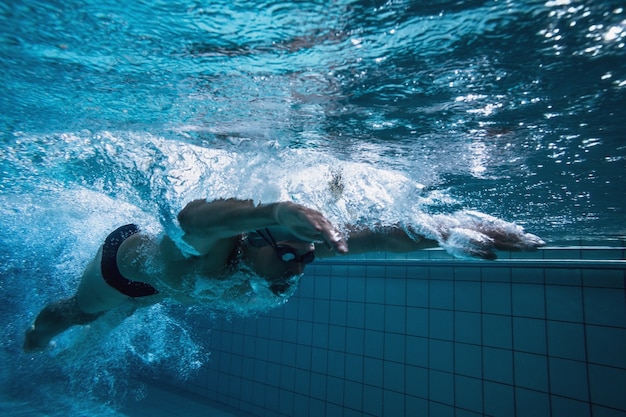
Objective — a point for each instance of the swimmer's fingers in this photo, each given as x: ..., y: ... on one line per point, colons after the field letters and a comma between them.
x: 527, y: 242
x: 468, y: 243
x: 505, y: 235
x: 478, y: 235
x: 310, y: 225
x: 323, y: 230
x: 334, y: 239
x: 517, y: 240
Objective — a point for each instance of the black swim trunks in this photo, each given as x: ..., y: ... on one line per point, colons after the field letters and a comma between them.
x: 109, y: 269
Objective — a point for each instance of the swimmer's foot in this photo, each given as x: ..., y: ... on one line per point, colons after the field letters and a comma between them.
x: 34, y: 341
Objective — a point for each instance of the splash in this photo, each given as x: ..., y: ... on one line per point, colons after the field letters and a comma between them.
x: 75, y: 188
x: 49, y: 235
x: 151, y: 336
x: 96, y: 369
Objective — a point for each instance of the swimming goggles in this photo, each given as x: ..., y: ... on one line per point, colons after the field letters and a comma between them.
x: 286, y: 253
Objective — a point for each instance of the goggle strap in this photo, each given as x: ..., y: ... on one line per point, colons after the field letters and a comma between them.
x: 269, y: 241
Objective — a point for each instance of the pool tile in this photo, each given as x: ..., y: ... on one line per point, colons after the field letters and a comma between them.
x: 498, y: 365
x: 393, y: 403
x: 499, y: 399
x: 467, y: 296
x: 441, y: 324
x: 334, y: 390
x: 607, y: 346
x: 441, y: 356
x: 375, y: 290
x: 339, y: 288
x: 417, y: 293
x: 527, y: 275
x: 372, y: 400
x: 354, y: 367
x: 395, y: 319
x: 321, y: 311
x: 415, y: 406
x: 568, y: 378
x: 468, y: 327
x: 605, y: 306
x: 355, y: 314
x: 320, y: 335
x: 395, y: 291
x: 322, y: 287
x: 529, y: 300
x: 338, y: 313
x: 374, y: 344
x: 355, y: 340
x: 417, y: 351
x: 473, y: 343
x: 441, y: 410
x: 531, y: 403
x: 564, y: 303
x: 497, y: 331
x: 353, y: 394
x: 375, y: 273
x: 566, y: 340
x: 531, y: 371
x: 355, y: 290
x: 563, y: 276
x: 445, y: 273
x: 599, y: 411
x: 569, y: 407
x: 441, y: 387
x: 468, y: 393
x: 375, y: 317
x: 337, y: 338
x: 442, y: 294
x: 394, y: 376
x: 417, y: 321
x: 496, y: 298
x: 608, y: 386
x: 395, y: 347
x: 305, y: 309
x: 529, y: 335
x: 416, y: 380
x: 417, y: 273
x: 608, y: 278
x: 468, y: 360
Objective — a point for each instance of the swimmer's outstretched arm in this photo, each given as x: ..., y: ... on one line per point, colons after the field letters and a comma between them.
x: 383, y: 239
x: 465, y: 234
x: 205, y: 223
x: 471, y: 234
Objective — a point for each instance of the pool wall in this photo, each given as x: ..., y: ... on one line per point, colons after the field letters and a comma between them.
x: 532, y: 334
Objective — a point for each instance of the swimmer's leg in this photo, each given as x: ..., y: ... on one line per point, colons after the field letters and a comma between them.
x: 55, y: 318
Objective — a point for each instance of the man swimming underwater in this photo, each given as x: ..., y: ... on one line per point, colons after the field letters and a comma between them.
x: 272, y: 241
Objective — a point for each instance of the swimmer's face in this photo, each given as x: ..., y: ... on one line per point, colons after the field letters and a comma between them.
x: 268, y: 263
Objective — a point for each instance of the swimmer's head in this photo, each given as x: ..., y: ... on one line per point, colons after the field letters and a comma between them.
x: 277, y: 255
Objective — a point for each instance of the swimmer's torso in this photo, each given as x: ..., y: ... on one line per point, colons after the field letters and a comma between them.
x: 162, y: 265
x: 209, y: 279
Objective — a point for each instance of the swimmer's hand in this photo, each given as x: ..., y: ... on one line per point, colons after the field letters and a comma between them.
x: 477, y: 235
x: 309, y: 225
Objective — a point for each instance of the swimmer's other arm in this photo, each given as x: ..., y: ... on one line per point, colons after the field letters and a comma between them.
x: 205, y: 223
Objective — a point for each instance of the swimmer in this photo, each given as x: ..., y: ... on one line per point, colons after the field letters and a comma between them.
x: 274, y: 241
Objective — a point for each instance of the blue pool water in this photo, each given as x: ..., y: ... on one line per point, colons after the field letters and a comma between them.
x: 112, y: 113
